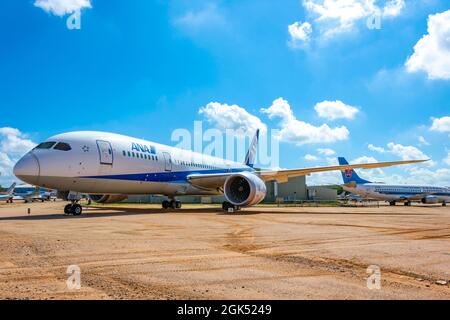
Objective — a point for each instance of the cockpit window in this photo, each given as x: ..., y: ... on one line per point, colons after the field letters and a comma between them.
x: 62, y: 146
x: 45, y: 145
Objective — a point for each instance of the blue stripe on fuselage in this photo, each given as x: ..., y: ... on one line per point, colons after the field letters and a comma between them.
x: 172, y: 176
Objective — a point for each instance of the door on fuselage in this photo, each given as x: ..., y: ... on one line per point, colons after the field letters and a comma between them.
x: 167, y: 161
x: 106, y: 152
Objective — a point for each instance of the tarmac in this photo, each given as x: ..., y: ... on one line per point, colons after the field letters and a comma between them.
x: 200, y: 252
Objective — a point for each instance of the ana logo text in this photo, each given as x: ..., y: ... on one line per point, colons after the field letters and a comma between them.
x: 143, y: 148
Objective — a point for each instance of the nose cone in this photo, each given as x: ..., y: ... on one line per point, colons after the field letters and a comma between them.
x: 27, y: 169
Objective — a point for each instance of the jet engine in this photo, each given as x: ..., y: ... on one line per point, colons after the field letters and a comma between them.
x: 430, y: 200
x: 107, y: 198
x: 244, y: 189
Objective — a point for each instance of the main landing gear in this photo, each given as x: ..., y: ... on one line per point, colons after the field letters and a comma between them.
x: 407, y: 203
x: 444, y: 204
x: 172, y: 204
x: 73, y: 208
x: 392, y: 203
x: 226, y: 206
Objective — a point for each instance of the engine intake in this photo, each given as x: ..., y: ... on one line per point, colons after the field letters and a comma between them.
x: 430, y: 200
x: 107, y: 198
x: 244, y: 189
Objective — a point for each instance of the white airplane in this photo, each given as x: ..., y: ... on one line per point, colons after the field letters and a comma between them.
x: 8, y: 195
x: 393, y: 193
x: 30, y: 193
x: 109, y: 167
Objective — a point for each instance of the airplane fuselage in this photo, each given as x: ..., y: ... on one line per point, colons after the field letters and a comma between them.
x: 387, y: 192
x: 107, y: 163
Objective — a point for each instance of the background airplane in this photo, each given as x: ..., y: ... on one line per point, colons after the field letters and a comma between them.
x: 109, y: 167
x: 393, y: 193
x: 8, y: 195
x: 31, y: 193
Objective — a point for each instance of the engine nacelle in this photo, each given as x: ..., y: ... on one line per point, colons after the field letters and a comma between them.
x: 430, y: 200
x: 107, y: 198
x: 244, y: 189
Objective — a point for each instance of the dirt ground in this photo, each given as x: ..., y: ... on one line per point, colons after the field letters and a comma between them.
x: 143, y: 252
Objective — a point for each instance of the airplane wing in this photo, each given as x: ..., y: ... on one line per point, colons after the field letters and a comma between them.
x: 282, y: 176
x: 214, y: 181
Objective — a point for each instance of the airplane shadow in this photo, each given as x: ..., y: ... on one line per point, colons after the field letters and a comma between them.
x: 99, y: 212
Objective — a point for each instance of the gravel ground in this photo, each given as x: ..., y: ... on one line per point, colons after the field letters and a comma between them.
x: 199, y: 252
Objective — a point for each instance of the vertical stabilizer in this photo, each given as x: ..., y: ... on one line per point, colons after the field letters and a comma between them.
x: 349, y: 175
x: 11, y: 189
x: 251, y: 154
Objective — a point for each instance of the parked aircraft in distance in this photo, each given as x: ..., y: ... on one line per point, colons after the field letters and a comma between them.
x: 31, y: 193
x: 109, y: 167
x: 8, y: 195
x: 393, y: 193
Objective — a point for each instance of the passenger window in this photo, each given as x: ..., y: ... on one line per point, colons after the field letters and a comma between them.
x: 129, y: 154
x: 124, y: 153
x: 62, y: 146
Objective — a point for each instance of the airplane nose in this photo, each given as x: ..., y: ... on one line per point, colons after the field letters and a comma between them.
x: 27, y: 169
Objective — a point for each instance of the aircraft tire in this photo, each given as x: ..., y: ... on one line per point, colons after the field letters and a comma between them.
x: 68, y: 209
x: 165, y: 204
x: 76, y: 210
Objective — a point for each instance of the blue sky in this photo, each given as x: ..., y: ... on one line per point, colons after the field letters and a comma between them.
x: 331, y: 84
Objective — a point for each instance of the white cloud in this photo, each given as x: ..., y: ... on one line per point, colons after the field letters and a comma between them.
x: 432, y: 51
x: 370, y: 174
x: 205, y: 19
x: 13, y: 145
x: 403, y: 152
x: 406, y: 152
x: 334, y: 17
x: 14, y: 142
x: 365, y: 159
x: 62, y: 7
x: 447, y: 159
x: 441, y: 124
x: 326, y: 151
x: 310, y: 157
x: 300, y: 132
x: 224, y: 116
x: 423, y: 141
x: 324, y: 178
x: 420, y: 175
x: 332, y: 110
x: 393, y: 8
x: 371, y: 147
x: 300, y: 33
